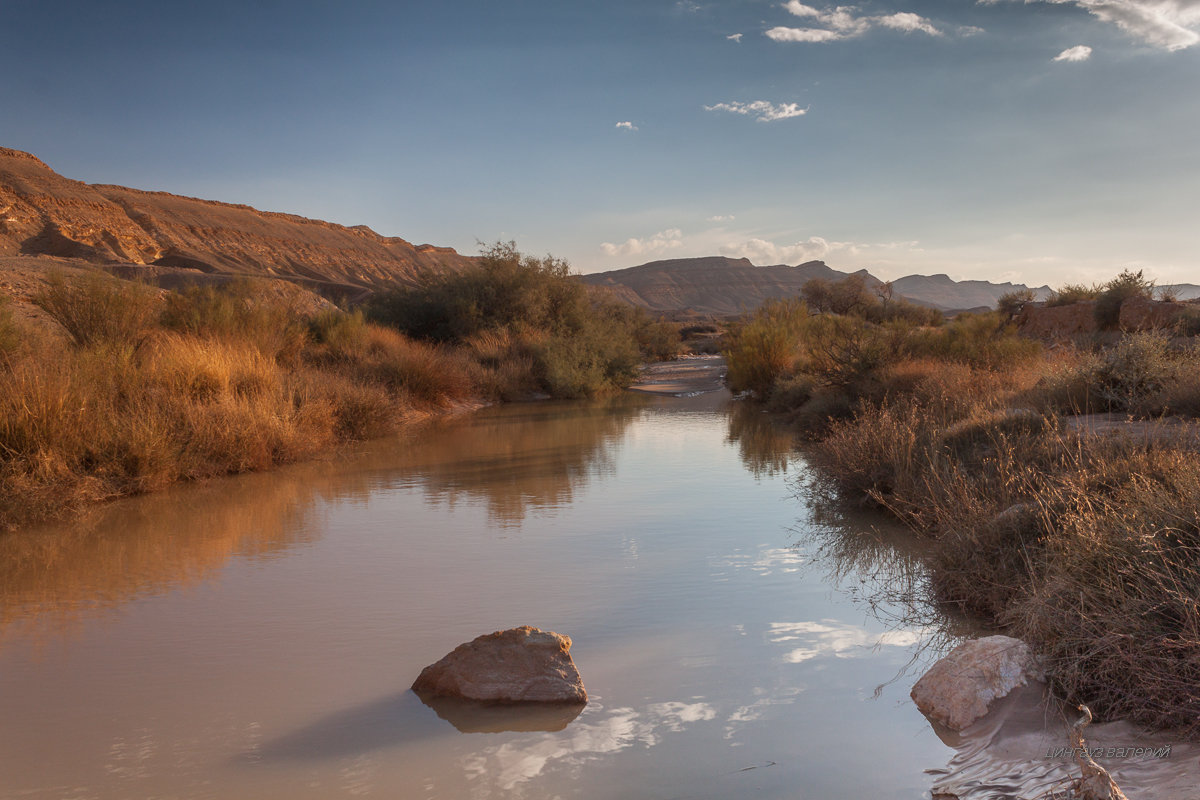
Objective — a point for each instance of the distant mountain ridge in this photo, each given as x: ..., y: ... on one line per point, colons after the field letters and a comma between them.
x: 44, y: 214
x: 720, y: 285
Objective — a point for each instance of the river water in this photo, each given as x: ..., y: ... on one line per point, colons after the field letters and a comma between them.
x: 255, y: 637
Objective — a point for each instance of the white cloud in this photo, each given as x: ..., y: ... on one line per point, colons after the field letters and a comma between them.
x: 1169, y: 24
x: 761, y: 110
x: 908, y: 22
x: 761, y: 251
x: 721, y: 218
x: 627, y: 126
x: 1080, y: 52
x: 969, y: 30
x: 841, y: 23
x: 803, y: 35
x: 735, y: 37
x: 670, y: 239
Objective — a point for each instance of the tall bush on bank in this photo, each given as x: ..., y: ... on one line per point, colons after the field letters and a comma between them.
x: 10, y: 337
x: 763, y: 348
x: 146, y: 390
x: 577, y: 344
x: 1126, y: 286
x: 245, y: 310
x: 98, y: 309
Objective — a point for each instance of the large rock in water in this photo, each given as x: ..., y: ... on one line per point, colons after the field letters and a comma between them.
x: 958, y: 690
x: 519, y: 665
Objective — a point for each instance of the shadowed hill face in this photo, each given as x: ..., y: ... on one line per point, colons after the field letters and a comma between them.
x: 714, y: 285
x: 718, y: 285
x: 43, y: 213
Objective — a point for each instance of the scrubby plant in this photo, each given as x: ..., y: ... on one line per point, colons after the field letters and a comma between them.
x: 10, y: 337
x: 578, y: 343
x: 98, y: 309
x: 1012, y: 302
x: 1126, y: 286
x: 764, y: 347
x: 242, y: 309
x: 1071, y: 293
x: 984, y: 339
x: 340, y: 330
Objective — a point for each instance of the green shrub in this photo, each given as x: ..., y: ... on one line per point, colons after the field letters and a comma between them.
x: 984, y: 340
x: 579, y: 344
x: 1010, y: 303
x: 97, y: 309
x: 1138, y: 367
x: 765, y: 346
x: 1125, y: 286
x: 1073, y: 293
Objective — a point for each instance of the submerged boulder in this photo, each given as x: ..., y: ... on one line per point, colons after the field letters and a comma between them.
x: 519, y: 665
x: 959, y: 689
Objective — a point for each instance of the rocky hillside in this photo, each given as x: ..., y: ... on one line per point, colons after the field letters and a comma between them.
x: 713, y: 285
x: 44, y: 214
x: 941, y: 291
x: 717, y: 285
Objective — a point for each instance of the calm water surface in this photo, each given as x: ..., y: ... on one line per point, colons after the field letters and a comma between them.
x: 255, y: 637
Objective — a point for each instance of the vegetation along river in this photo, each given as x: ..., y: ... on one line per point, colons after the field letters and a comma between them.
x: 256, y: 637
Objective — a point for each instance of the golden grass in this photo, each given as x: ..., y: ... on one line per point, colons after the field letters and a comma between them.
x: 1086, y: 546
x: 124, y: 409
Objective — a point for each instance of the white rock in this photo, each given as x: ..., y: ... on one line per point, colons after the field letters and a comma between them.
x: 960, y: 688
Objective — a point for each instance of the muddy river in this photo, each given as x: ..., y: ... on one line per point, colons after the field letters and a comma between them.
x: 255, y: 637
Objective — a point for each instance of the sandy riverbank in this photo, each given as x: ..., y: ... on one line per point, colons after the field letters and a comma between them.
x: 683, y: 377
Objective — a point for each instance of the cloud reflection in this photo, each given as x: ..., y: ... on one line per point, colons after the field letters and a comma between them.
x: 832, y: 638
x: 504, y: 769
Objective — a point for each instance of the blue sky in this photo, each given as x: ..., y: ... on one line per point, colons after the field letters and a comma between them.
x: 1044, y: 141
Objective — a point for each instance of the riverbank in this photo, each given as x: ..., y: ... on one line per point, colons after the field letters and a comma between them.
x: 1075, y: 533
x: 687, y: 376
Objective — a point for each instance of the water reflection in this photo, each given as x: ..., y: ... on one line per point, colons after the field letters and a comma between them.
x: 505, y: 768
x: 832, y: 638
x: 881, y: 564
x: 766, y: 447
x: 150, y: 546
x: 512, y: 459
x: 520, y: 459
x: 469, y: 716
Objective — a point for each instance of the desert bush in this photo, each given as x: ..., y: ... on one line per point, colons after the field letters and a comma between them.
x: 1010, y: 303
x: 764, y: 347
x: 657, y: 341
x: 1138, y: 367
x: 10, y: 337
x: 984, y: 340
x: 1123, y: 287
x: 341, y: 331
x: 426, y: 373
x: 588, y: 344
x: 844, y: 351
x: 242, y: 310
x: 1072, y: 293
x: 1142, y: 374
x: 851, y: 296
x: 95, y: 308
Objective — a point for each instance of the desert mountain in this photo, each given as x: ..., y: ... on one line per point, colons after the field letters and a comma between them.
x: 718, y: 285
x: 44, y: 214
x: 712, y: 285
x: 941, y: 291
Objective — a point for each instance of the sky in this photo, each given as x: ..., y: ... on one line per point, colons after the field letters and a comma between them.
x: 1037, y: 141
